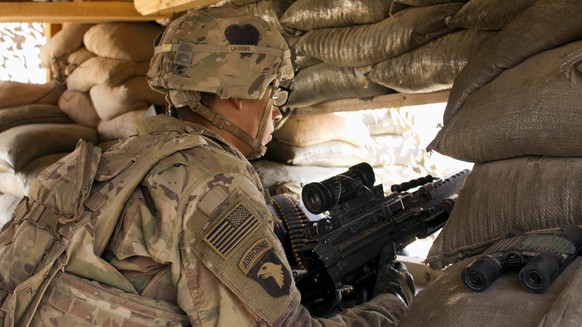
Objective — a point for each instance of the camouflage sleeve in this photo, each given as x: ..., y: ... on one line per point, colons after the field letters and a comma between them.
x: 234, y: 270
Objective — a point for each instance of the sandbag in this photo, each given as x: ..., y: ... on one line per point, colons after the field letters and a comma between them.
x: 30, y: 114
x: 22, y: 144
x: 14, y: 93
x: 76, y: 58
x: 426, y: 2
x: 431, y: 67
x: 325, y: 82
x: 122, y: 125
x: 304, y: 130
x: 133, y: 93
x: 544, y: 25
x: 531, y: 109
x: 269, y: 10
x: 123, y: 41
x: 53, y: 54
x: 100, y: 70
x: 447, y: 302
x: 8, y: 203
x: 526, y: 193
x: 488, y: 14
x: 307, y: 15
x: 18, y: 183
x: 382, y: 151
x: 79, y: 107
x: 368, y: 44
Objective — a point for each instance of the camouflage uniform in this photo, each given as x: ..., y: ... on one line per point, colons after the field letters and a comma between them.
x: 196, y: 237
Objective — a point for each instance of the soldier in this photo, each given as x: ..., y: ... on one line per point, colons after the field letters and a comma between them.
x: 194, y: 244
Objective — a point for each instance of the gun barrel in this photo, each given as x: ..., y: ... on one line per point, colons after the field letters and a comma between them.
x: 438, y: 191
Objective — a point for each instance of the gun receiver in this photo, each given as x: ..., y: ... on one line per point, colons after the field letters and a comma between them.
x: 340, y: 251
x: 543, y: 257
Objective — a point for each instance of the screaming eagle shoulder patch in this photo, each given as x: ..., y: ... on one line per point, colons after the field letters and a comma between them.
x: 262, y: 264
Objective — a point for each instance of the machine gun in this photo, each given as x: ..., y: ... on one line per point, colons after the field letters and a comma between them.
x: 339, y: 252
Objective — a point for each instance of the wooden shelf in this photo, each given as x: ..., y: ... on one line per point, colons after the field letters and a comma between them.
x: 72, y: 12
x: 151, y: 7
x: 395, y: 100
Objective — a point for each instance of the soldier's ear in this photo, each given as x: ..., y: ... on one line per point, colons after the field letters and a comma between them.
x: 236, y: 103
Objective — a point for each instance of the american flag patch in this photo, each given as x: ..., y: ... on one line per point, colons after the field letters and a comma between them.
x: 231, y: 231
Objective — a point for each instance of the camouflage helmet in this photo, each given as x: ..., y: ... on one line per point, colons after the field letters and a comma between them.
x: 221, y: 51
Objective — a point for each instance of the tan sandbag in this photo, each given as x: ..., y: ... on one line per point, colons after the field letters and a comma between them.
x: 54, y: 53
x: 122, y: 125
x: 372, y: 43
x: 488, y: 14
x: 14, y: 93
x: 447, y: 302
x: 123, y: 41
x: 18, y: 183
x: 325, y: 82
x: 382, y: 151
x: 22, y: 144
x: 8, y: 203
x: 325, y: 154
x: 303, y: 130
x: 100, y: 70
x: 527, y: 193
x: 31, y: 114
x: 426, y: 2
x: 544, y: 25
x: 133, y: 93
x: 307, y: 15
x: 431, y: 67
x: 79, y: 107
x: 273, y: 172
x: 270, y: 11
x: 76, y: 58
x: 531, y: 109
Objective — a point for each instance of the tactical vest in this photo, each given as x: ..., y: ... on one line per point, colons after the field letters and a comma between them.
x: 70, y: 213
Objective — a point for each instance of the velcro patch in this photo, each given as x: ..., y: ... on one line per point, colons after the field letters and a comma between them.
x: 261, y: 263
x: 233, y: 229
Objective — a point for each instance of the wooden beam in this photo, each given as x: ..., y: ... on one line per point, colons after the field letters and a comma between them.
x: 73, y: 12
x: 396, y: 100
x: 151, y: 7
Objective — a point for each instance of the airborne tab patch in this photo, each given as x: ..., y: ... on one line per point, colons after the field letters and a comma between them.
x: 233, y: 229
x: 262, y: 264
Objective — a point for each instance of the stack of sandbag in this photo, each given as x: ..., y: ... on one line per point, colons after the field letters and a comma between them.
x: 34, y: 133
x: 372, y: 47
x: 383, y: 138
x: 515, y: 112
x: 104, y: 67
x: 269, y: 10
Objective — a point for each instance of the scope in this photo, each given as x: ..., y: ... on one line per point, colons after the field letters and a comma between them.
x: 321, y: 196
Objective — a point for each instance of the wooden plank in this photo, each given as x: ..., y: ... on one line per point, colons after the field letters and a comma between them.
x: 73, y: 12
x: 151, y: 7
x: 395, y: 100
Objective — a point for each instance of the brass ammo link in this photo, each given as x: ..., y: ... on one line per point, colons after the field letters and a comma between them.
x: 295, y: 221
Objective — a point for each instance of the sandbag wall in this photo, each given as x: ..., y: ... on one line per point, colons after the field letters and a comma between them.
x: 362, y: 49
x: 515, y: 112
x: 98, y: 88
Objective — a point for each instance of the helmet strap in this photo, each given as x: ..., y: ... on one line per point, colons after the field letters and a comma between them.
x: 192, y: 99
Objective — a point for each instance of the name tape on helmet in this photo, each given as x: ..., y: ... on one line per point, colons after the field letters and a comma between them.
x: 237, y: 48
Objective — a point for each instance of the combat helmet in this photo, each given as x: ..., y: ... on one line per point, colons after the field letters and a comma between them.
x: 222, y: 51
